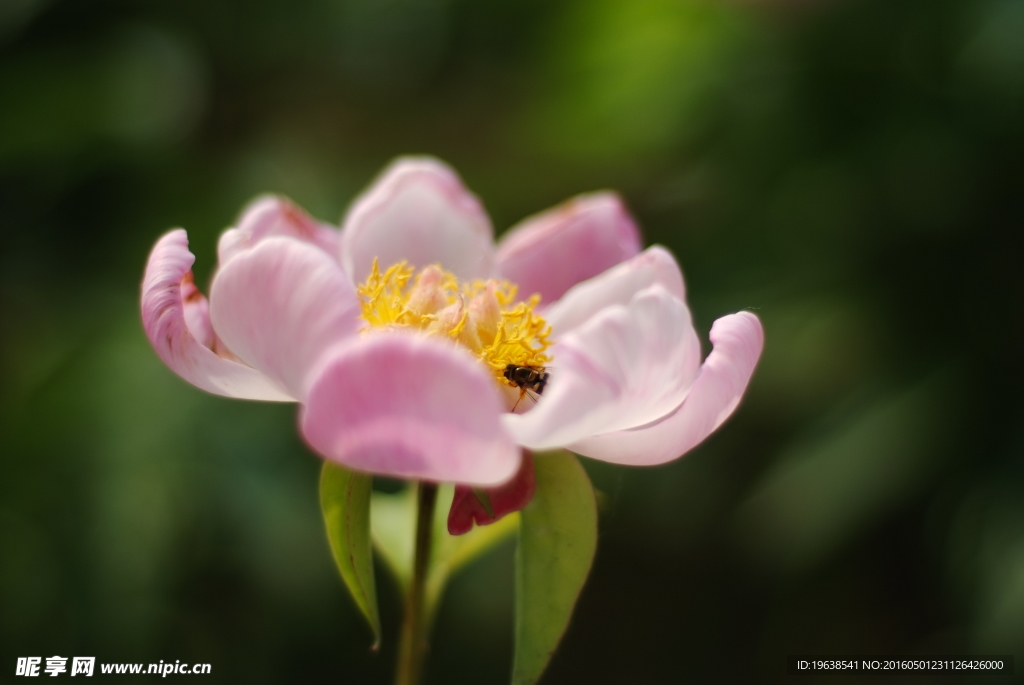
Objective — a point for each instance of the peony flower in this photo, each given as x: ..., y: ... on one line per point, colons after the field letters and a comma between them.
x: 399, y: 335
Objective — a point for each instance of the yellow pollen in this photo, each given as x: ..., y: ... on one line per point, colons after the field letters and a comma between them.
x: 481, y: 315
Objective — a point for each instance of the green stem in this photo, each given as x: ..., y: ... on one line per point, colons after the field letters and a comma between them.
x: 413, y: 646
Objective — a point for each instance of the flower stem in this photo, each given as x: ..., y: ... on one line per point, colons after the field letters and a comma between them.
x: 413, y: 646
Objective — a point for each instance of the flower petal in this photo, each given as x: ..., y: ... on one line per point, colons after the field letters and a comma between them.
x: 272, y: 215
x: 738, y: 340
x: 418, y: 211
x: 409, y: 407
x: 280, y: 305
x: 553, y: 251
x: 197, y: 312
x: 172, y: 325
x: 503, y: 500
x: 616, y: 286
x: 625, y: 367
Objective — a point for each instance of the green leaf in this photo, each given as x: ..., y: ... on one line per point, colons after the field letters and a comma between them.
x: 394, y: 525
x: 557, y: 540
x: 345, y: 501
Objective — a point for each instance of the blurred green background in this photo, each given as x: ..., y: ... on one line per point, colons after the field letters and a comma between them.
x: 852, y: 171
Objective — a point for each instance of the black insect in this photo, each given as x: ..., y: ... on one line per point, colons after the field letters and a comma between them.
x: 526, y: 378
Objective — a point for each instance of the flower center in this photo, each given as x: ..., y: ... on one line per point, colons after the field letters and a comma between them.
x: 481, y: 315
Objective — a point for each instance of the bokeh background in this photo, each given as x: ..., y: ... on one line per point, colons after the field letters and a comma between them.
x: 850, y: 170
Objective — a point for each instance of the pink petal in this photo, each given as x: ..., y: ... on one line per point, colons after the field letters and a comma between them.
x: 172, y: 325
x: 504, y: 499
x: 197, y: 312
x: 409, y: 407
x: 625, y: 367
x: 738, y: 340
x: 553, y: 251
x: 616, y: 286
x: 272, y: 215
x: 418, y: 211
x: 280, y: 305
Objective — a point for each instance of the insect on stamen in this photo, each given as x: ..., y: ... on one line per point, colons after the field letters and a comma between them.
x: 526, y: 378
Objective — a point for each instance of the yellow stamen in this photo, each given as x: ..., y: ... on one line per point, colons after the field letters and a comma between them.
x: 509, y: 333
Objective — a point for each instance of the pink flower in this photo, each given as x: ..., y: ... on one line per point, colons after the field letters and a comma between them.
x: 395, y: 332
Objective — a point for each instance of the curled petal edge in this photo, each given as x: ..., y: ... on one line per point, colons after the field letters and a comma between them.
x: 163, y: 306
x: 738, y: 340
x: 273, y: 215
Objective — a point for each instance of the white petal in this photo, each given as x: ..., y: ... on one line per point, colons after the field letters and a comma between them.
x: 280, y: 305
x: 625, y: 367
x: 738, y: 340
